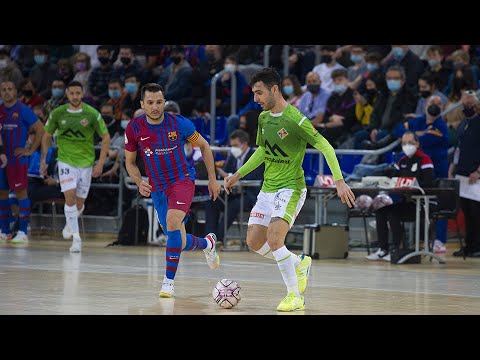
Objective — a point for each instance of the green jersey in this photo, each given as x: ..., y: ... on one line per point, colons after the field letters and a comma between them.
x: 75, y: 129
x: 284, y: 137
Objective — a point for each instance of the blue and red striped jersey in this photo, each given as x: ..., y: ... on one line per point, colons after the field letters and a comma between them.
x: 15, y: 122
x: 161, y: 147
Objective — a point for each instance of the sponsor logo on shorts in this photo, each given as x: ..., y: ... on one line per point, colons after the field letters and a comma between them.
x: 257, y: 215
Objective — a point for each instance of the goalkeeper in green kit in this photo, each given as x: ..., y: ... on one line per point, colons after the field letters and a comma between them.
x: 283, y: 133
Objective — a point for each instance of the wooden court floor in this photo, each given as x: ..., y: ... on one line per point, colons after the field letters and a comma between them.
x: 44, y: 278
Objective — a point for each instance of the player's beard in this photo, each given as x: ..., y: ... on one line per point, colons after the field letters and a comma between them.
x: 155, y: 117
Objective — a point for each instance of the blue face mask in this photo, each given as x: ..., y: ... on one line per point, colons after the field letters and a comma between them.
x: 288, y: 90
x: 114, y: 94
x: 57, y: 93
x: 124, y: 124
x: 40, y: 59
x: 398, y: 52
x: 394, y: 85
x: 371, y: 67
x: 356, y: 58
x: 130, y: 87
x: 433, y: 62
x: 339, y: 88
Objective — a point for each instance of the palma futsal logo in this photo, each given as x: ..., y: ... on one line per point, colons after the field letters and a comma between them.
x: 282, y: 133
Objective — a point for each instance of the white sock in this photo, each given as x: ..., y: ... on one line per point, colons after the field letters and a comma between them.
x: 265, y: 251
x: 286, y: 264
x: 71, y: 216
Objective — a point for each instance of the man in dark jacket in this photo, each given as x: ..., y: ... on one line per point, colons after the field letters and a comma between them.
x: 240, y: 152
x: 416, y: 164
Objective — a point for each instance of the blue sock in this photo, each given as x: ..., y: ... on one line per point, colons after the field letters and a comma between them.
x: 173, y: 252
x: 23, y: 214
x: 5, y: 215
x: 194, y: 242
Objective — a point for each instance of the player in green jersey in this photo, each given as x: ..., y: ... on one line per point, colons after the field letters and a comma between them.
x: 283, y: 133
x: 75, y: 124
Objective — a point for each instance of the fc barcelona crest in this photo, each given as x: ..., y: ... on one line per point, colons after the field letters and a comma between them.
x: 15, y: 115
x: 172, y: 135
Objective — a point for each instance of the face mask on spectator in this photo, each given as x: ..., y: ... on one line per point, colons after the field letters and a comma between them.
x: 27, y: 93
x: 469, y: 111
x: 3, y: 63
x: 433, y: 62
x: 125, y: 60
x: 327, y: 59
x: 288, y: 90
x: 211, y: 57
x: 425, y: 93
x: 80, y: 66
x: 130, y: 87
x: 229, y: 67
x: 339, y: 88
x: 39, y: 59
x: 409, y: 149
x: 394, y: 85
x: 114, y: 94
x: 434, y: 110
x: 176, y: 59
x: 371, y: 67
x: 57, y: 92
x: 398, y: 52
x: 124, y: 124
x: 236, y: 151
x: 103, y: 60
x: 313, y: 88
x: 356, y: 58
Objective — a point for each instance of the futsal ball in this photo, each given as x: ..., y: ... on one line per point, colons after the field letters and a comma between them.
x: 363, y: 202
x: 381, y: 200
x: 226, y: 293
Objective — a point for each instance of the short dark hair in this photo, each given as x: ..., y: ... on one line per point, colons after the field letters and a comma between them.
x: 269, y: 76
x: 74, y: 83
x: 415, y: 136
x: 150, y: 87
x: 339, y: 72
x: 241, y: 135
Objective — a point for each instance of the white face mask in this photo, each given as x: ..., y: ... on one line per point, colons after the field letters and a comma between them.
x: 188, y: 150
x: 236, y: 151
x: 230, y: 67
x: 409, y: 149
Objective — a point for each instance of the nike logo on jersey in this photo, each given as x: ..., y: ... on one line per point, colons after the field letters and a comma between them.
x: 180, y: 203
x: 144, y: 138
x: 19, y: 184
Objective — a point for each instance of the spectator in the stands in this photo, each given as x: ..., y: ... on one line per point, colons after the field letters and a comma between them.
x: 438, y: 67
x: 433, y: 134
x: 28, y: 93
x: 365, y: 102
x: 389, y: 112
x: 132, y: 89
x: 128, y: 63
x: 176, y: 78
x: 248, y: 112
x: 58, y: 96
x: 43, y: 72
x: 116, y: 97
x: 461, y: 60
x: 65, y: 70
x: 413, y: 67
x: 426, y: 88
x: 101, y: 75
x: 9, y: 70
x: 82, y: 69
x: 328, y: 63
x: 224, y: 99
x: 339, y: 117
x: 292, y: 90
x: 359, y: 67
x: 314, y: 100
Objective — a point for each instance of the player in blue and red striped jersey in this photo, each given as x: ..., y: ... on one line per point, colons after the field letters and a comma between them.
x: 16, y: 121
x: 160, y: 137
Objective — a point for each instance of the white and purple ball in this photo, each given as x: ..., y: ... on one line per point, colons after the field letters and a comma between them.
x: 363, y: 202
x: 226, y: 293
x: 381, y: 200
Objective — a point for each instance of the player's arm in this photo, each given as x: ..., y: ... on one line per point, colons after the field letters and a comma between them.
x: 46, y: 142
x: 257, y: 158
x: 38, y: 129
x: 3, y: 156
x: 197, y: 140
x: 98, y: 168
x: 134, y: 172
x: 314, y: 138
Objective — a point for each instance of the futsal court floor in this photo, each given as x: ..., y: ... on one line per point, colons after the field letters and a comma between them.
x: 44, y: 278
